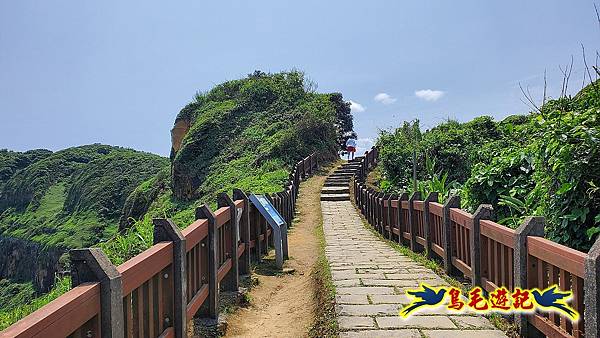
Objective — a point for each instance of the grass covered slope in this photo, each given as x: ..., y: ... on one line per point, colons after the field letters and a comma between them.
x: 74, y: 197
x: 52, y: 202
x: 545, y: 163
x: 248, y: 132
x: 242, y: 134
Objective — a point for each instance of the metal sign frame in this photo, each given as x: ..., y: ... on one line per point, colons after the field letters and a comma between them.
x: 277, y: 223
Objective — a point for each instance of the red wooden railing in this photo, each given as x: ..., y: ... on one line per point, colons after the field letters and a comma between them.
x: 547, y: 263
x: 149, y: 297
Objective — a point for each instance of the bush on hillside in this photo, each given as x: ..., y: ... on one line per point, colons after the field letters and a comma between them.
x: 544, y: 163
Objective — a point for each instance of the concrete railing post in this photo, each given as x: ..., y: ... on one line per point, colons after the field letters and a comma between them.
x: 432, y: 197
x: 244, y: 261
x: 165, y: 230
x: 412, y: 221
x: 403, y: 197
x: 92, y: 265
x: 484, y: 211
x: 452, y: 202
x: 390, y: 216
x: 380, y: 199
x: 532, y: 226
x: 591, y: 293
x: 211, y: 306
x: 231, y: 281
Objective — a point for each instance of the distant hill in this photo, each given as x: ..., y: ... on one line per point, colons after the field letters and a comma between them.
x: 54, y: 201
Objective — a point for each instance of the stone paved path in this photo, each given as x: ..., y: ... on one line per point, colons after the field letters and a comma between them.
x: 370, y: 279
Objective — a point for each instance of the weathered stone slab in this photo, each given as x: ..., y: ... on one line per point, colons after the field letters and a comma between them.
x: 472, y: 322
x: 421, y: 322
x: 381, y: 333
x: 353, y: 323
x: 369, y: 310
x: 363, y: 290
x: 352, y: 299
x: 463, y: 333
x: 390, y: 299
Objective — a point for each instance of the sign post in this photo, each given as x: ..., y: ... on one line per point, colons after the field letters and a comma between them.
x: 268, y: 211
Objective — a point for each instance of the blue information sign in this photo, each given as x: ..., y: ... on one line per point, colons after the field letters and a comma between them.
x: 264, y: 206
x: 270, y: 209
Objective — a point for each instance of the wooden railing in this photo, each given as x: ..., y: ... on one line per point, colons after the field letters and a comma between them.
x: 487, y: 253
x: 157, y: 292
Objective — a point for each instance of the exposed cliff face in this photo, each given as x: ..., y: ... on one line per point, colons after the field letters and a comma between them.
x: 23, y: 260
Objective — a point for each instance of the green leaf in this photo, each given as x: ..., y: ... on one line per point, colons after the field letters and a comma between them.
x: 564, y: 188
x: 592, y: 231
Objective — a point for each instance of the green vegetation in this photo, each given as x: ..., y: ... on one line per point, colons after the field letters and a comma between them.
x: 52, y: 202
x: 544, y: 163
x: 16, y: 310
x: 244, y: 134
x: 74, y: 197
x: 325, y: 322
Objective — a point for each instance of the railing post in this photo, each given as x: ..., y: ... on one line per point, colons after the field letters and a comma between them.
x: 452, y: 202
x: 258, y: 245
x: 532, y: 226
x: 484, y: 211
x: 92, y: 265
x: 390, y: 216
x: 211, y: 308
x: 412, y: 221
x: 432, y: 197
x: 166, y: 230
x: 591, y: 291
x: 403, y: 197
x: 244, y: 227
x: 231, y: 281
x: 379, y: 199
x: 303, y: 169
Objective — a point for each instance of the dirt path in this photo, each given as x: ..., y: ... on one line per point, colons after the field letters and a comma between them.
x: 283, y: 305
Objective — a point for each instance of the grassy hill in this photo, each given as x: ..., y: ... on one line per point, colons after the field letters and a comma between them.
x: 544, y: 163
x: 244, y: 133
x: 52, y: 202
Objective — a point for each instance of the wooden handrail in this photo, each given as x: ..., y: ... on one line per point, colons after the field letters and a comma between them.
x: 498, y: 233
x: 142, y: 267
x: 62, y: 316
x: 558, y: 255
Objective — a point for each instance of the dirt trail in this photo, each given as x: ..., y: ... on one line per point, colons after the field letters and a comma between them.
x: 283, y: 306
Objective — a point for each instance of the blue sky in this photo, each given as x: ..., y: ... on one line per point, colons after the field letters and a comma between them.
x: 118, y: 72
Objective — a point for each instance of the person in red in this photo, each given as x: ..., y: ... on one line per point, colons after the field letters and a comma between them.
x: 351, y: 147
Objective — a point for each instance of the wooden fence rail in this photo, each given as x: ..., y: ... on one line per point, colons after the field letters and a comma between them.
x: 157, y: 292
x: 487, y: 253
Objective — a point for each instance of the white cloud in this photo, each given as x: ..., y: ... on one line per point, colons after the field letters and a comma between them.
x: 429, y: 95
x: 356, y: 107
x: 364, y: 144
x: 384, y: 98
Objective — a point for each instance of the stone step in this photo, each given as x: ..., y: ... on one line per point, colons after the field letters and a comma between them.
x: 335, y: 197
x: 343, y: 180
x: 343, y: 172
x: 335, y: 184
x: 335, y: 190
x: 341, y: 176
